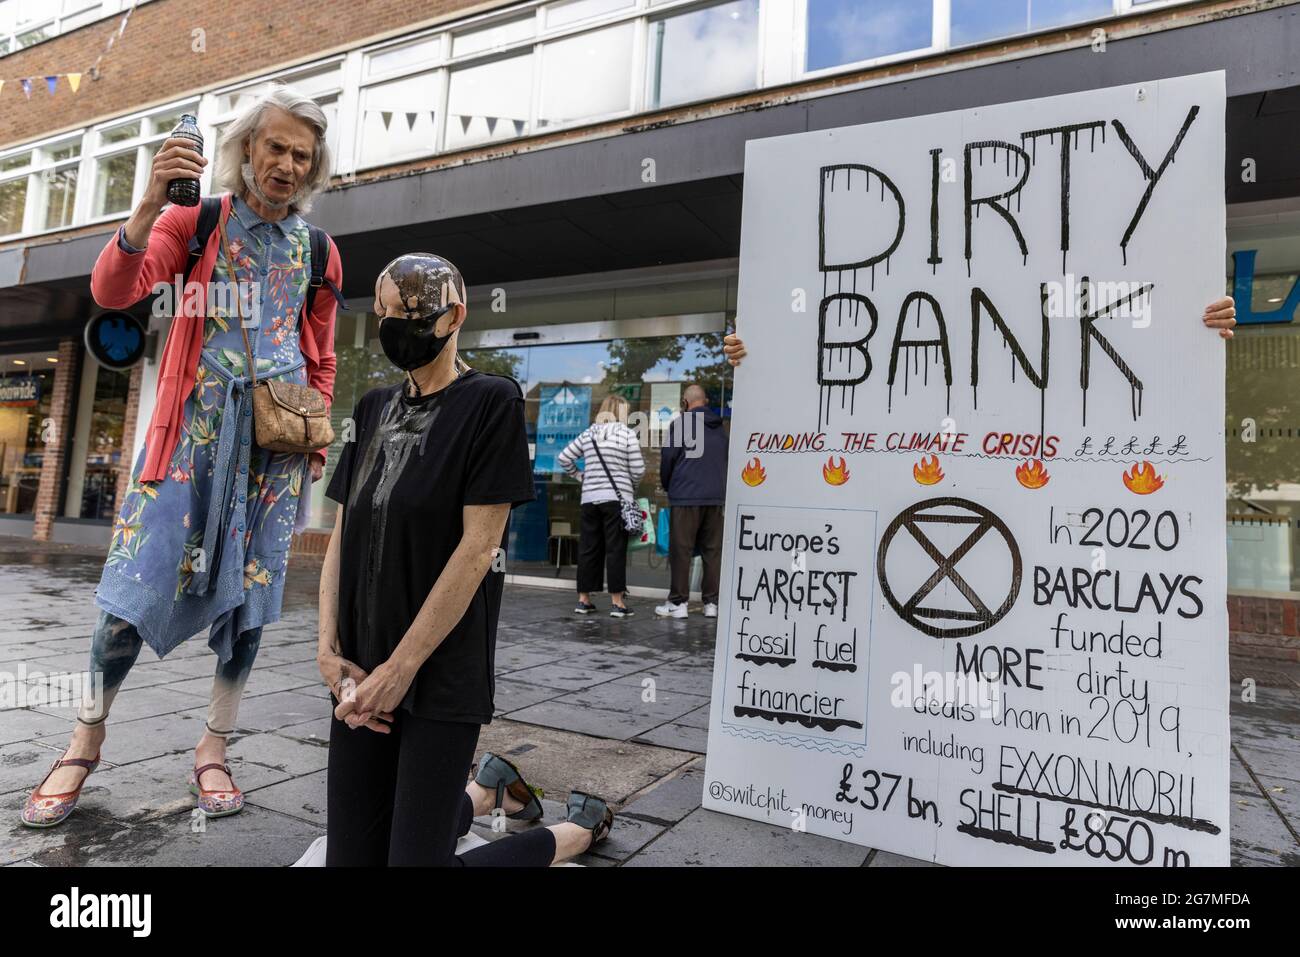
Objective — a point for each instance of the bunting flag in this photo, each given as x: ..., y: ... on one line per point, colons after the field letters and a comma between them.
x: 386, y: 116
x: 51, y: 82
x: 74, y: 79
x: 410, y: 121
x: 492, y: 125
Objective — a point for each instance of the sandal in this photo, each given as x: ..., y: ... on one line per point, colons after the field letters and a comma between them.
x: 47, y: 810
x: 590, y: 812
x: 499, y: 775
x: 218, y: 803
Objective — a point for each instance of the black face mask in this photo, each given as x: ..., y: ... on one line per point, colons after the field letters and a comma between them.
x: 412, y: 343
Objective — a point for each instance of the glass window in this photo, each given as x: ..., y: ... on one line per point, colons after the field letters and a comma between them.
x: 13, y: 202
x: 586, y: 76
x: 162, y: 125
x: 115, y: 184
x: 59, y: 153
x: 60, y: 197
x: 398, y: 119
x: 564, y: 386
x: 571, y: 11
x: 849, y: 31
x: 489, y: 102
x: 493, y: 37
x: 5, y: 45
x: 127, y: 131
x: 104, y: 453
x: 703, y: 53
x: 32, y: 37
x: 406, y: 55
x: 25, y: 390
x: 976, y: 20
x: 1263, y: 401
x: 19, y: 161
x: 89, y: 15
x: 32, y: 11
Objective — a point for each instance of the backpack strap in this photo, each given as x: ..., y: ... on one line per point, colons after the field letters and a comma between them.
x: 320, y: 255
x: 209, y: 214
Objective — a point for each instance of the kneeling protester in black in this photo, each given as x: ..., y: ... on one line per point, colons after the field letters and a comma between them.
x: 411, y: 590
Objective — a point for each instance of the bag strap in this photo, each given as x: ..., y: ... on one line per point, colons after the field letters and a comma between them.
x: 320, y: 257
x: 608, y: 474
x: 209, y: 213
x: 239, y: 309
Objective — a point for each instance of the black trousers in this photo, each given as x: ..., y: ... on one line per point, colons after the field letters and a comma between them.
x: 398, y: 799
x: 602, y: 546
x: 689, y: 527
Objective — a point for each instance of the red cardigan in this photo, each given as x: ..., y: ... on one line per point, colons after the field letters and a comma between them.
x: 121, y: 279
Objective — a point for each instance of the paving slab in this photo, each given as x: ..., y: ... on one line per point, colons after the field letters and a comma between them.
x: 680, y: 736
x: 709, y: 839
x: 278, y: 710
x: 24, y: 763
x: 24, y: 724
x: 598, y: 722
x: 559, y: 761
x: 302, y: 798
x: 129, y: 741
x: 670, y: 799
x: 159, y: 786
x: 255, y: 837
x: 561, y: 677
x: 513, y: 695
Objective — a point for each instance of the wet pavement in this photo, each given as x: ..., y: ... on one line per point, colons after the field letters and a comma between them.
x: 572, y: 711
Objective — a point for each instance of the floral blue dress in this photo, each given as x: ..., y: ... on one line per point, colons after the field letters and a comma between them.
x: 207, y: 546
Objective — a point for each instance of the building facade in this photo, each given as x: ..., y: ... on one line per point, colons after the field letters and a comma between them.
x: 582, y: 162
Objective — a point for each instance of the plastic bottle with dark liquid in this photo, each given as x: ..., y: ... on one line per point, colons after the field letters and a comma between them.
x: 185, y: 192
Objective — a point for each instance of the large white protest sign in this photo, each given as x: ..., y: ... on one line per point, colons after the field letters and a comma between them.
x: 974, y: 563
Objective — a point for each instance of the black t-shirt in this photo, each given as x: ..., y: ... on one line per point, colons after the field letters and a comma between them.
x: 414, y: 464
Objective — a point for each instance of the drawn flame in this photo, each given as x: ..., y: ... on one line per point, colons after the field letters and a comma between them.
x: 928, y: 473
x: 835, y: 474
x: 753, y: 473
x: 1032, y: 474
x: 1142, y: 479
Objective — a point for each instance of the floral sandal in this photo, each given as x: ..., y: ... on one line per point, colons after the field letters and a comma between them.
x: 47, y: 810
x: 218, y: 803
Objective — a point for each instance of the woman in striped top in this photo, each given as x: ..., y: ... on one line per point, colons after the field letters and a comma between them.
x: 602, y: 542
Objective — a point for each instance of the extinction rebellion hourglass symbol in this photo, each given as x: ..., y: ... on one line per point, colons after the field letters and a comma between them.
x: 984, y: 611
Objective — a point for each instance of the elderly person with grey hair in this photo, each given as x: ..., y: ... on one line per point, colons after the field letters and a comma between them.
x: 203, y: 533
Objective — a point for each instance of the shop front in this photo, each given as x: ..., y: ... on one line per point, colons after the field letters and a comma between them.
x: 63, y: 435
x: 26, y: 389
x: 640, y: 334
x: 1263, y: 428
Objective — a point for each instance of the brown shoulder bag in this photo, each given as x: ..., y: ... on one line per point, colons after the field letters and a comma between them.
x: 287, y: 417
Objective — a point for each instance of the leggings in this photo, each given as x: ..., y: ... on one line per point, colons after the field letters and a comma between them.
x: 398, y: 799
x: 113, y: 650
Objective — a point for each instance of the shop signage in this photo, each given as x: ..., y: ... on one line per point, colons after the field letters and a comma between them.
x: 974, y: 563
x: 563, y: 414
x: 20, y: 390
x: 1243, y: 281
x: 115, y: 339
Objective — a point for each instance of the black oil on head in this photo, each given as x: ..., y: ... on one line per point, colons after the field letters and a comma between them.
x: 421, y: 282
